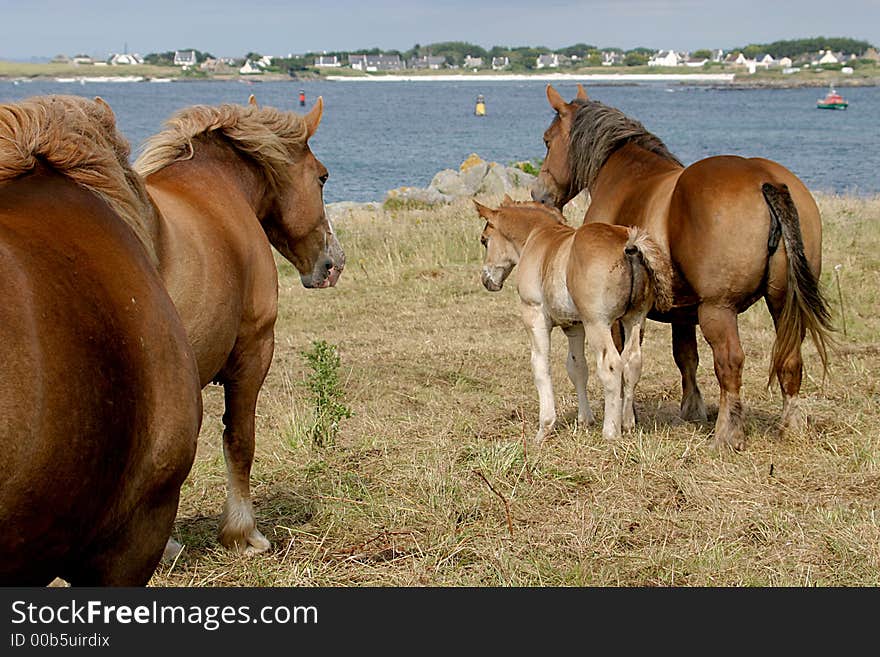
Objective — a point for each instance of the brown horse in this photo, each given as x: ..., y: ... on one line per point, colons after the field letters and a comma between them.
x: 582, y: 280
x: 100, y: 400
x: 230, y: 182
x: 736, y: 230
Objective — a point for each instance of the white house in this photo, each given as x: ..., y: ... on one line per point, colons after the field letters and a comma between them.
x: 375, y: 62
x: 765, y: 61
x: 250, y: 68
x: 473, y: 62
x: 665, y: 58
x: 126, y: 59
x: 82, y: 59
x: 264, y: 62
x: 327, y: 61
x: 784, y: 62
x: 500, y: 63
x: 185, y: 58
x: 547, y: 61
x: 428, y: 61
x: 611, y: 58
x: 828, y: 57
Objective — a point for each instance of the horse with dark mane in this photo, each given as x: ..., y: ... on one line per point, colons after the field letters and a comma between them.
x: 229, y: 183
x: 736, y: 229
x: 100, y: 401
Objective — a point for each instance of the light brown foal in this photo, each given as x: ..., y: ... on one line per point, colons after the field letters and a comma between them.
x: 582, y: 280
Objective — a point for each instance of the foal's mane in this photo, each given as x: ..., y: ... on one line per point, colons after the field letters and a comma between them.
x: 532, y: 206
x: 265, y: 135
x: 76, y: 137
x: 597, y: 132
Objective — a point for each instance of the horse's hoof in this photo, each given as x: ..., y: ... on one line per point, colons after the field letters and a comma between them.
x: 249, y: 545
x: 693, y: 409
x: 172, y: 549
x: 735, y: 440
x: 586, y: 421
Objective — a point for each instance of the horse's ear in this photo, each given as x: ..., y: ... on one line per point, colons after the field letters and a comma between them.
x: 252, y: 100
x: 582, y: 93
x: 556, y: 101
x: 105, y: 108
x: 486, y: 213
x: 313, y: 118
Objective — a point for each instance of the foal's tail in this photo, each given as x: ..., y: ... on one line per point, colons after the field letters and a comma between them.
x: 645, y: 257
x: 804, y: 309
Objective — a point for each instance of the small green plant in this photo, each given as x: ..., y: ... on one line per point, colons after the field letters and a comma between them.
x: 528, y: 167
x: 326, y: 391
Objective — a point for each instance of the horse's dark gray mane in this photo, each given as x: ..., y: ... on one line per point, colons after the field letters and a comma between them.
x: 597, y: 131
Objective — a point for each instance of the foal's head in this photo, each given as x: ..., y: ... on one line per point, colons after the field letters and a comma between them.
x: 505, y: 233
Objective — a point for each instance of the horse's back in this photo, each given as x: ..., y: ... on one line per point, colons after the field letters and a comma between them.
x: 99, y: 404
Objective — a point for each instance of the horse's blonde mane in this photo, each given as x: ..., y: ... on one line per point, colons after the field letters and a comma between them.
x: 76, y: 137
x: 268, y: 136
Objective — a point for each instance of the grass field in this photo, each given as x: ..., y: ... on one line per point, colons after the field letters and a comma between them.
x: 415, y: 489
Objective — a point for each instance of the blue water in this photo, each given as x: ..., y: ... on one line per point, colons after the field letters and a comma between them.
x: 380, y: 135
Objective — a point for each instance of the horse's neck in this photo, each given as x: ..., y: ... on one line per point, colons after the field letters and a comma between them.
x: 519, y: 226
x: 627, y: 166
x: 232, y: 173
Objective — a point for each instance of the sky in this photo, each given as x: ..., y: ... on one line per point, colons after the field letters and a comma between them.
x: 44, y: 28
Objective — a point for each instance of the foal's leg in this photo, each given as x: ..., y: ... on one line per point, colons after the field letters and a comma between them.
x: 578, y: 372
x: 720, y: 329
x: 791, y: 373
x: 632, y: 368
x: 609, y: 367
x: 539, y: 328
x: 242, y: 377
x: 684, y: 351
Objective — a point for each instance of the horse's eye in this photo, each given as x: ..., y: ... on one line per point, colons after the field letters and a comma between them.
x: 323, y: 179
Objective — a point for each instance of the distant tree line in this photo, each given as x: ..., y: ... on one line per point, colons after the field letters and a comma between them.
x: 795, y: 47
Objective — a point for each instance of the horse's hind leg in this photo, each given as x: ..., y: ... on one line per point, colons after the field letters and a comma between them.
x: 242, y: 378
x: 719, y: 327
x: 684, y: 351
x: 632, y: 368
x: 790, y: 373
x: 609, y: 367
x: 578, y: 372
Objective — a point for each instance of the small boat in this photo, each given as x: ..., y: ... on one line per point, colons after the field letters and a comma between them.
x: 832, y: 100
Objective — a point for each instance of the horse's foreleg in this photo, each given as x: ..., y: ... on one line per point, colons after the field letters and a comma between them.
x: 578, y: 372
x: 242, y: 378
x: 609, y: 367
x: 684, y: 351
x: 719, y: 327
x: 539, y: 332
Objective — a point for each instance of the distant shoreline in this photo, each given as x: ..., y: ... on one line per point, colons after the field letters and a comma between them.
x: 548, y: 77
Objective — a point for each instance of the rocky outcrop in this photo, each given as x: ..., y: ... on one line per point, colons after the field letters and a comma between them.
x: 475, y: 177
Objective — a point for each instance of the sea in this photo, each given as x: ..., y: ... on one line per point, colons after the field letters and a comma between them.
x: 377, y: 136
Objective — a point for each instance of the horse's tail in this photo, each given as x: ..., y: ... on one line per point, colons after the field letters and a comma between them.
x: 648, y: 261
x: 804, y: 308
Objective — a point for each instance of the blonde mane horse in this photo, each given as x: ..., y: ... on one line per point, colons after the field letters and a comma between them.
x: 229, y: 183
x: 99, y: 394
x: 583, y: 280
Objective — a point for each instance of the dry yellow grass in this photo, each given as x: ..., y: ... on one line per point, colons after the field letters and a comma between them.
x: 436, y: 370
